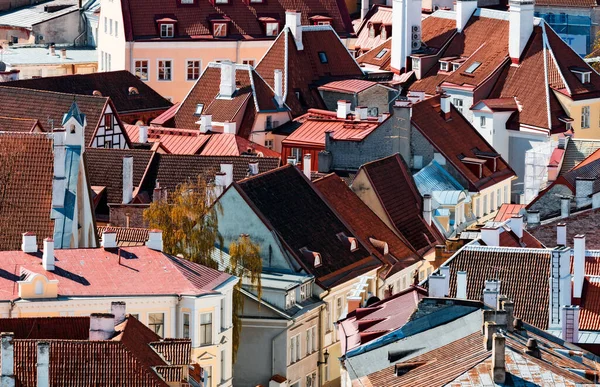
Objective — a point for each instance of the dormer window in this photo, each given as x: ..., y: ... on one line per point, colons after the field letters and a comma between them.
x: 582, y: 74
x: 350, y: 242
x: 416, y: 62
x: 290, y: 299
x: 220, y: 29
x: 167, y: 30
x: 455, y: 66
x: 272, y: 28
x: 320, y: 20
x: 187, y: 2
x: 371, y: 31
x: 383, y: 32
x: 444, y: 66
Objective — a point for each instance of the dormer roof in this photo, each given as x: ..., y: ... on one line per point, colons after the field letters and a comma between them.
x: 74, y: 113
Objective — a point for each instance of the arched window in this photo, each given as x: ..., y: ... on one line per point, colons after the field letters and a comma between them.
x: 39, y: 287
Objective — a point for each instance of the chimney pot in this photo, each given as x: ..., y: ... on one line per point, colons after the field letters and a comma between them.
x: 490, y: 234
x: 155, y: 240
x: 205, y: 123
x: 489, y: 328
x: 498, y: 358
x: 461, y: 285
x: 532, y: 348
x: 228, y: 86
x: 520, y: 27
x: 229, y: 127
x: 509, y: 307
x: 109, y: 239
x: 29, y: 244
x: 118, y: 309
x: 63, y: 53
x: 533, y: 218
x: 48, y: 254
x: 102, y: 326
x: 437, y: 285
x: 561, y: 234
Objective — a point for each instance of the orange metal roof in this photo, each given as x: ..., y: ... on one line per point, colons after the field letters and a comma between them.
x: 312, y: 131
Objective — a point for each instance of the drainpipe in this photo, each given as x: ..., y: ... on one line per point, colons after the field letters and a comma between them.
x: 12, y: 306
x: 321, y: 376
x: 85, y: 24
x: 273, y: 349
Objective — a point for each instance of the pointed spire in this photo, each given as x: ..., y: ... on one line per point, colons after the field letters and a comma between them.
x: 75, y: 113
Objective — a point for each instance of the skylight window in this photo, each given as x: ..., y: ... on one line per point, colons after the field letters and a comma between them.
x: 381, y: 53
x: 323, y: 57
x: 199, y: 108
x: 474, y: 66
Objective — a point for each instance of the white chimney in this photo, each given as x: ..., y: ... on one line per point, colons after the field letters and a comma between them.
x: 533, y: 218
x: 445, y: 105
x: 491, y: 292
x: 43, y: 364
x: 102, y: 326
x: 520, y: 27
x: 461, y: 284
x: 445, y: 270
x: 464, y: 11
x: 565, y: 207
x: 109, y: 240
x: 278, y: 83
x: 205, y: 123
x: 570, y: 323
x: 364, y: 8
x: 427, y: 210
x: 437, y: 285
x: 127, y: 179
x: 155, y: 240
x: 7, y: 373
x: 118, y: 309
x: 228, y: 169
x: 29, y: 244
x: 516, y: 225
x: 293, y: 21
x: 343, y: 109
x: 361, y: 112
x: 229, y: 127
x: 406, y: 19
x: 578, y: 264
x: 143, y: 134
x: 490, y: 235
x: 63, y: 53
x: 227, y: 86
x: 561, y: 234
x: 306, y: 166
x: 498, y: 358
x: 48, y: 255
x: 253, y: 168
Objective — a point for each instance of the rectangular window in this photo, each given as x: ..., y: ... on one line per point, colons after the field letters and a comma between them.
x: 295, y: 349
x: 482, y: 121
x: 110, y: 26
x: 444, y: 66
x: 136, y: 315
x: 249, y: 62
x: 156, y: 322
x: 269, y: 123
x: 164, y: 70
x: 105, y: 25
x: 109, y: 61
x: 108, y: 122
x: 311, y: 380
x: 305, y: 291
x: 290, y: 298
x: 506, y: 195
x: 220, y: 29
x: 206, y: 329
x: 223, y: 366
x: 323, y: 57
x: 207, y: 376
x: 272, y: 29
x: 485, y: 209
x: 167, y: 30
x: 338, y: 308
x: 186, y: 326
x: 311, y: 340
x: 141, y: 69
x: 193, y: 70
x: 498, y: 198
x: 296, y: 153
x: 326, y: 372
x: 269, y: 144
x: 585, y: 117
x: 416, y: 63
x: 223, y: 323
x: 458, y: 104
x: 314, y: 339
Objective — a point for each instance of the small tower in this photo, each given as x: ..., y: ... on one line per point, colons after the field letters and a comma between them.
x: 74, y: 123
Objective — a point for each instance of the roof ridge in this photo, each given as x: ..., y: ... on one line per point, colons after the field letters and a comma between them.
x: 84, y: 96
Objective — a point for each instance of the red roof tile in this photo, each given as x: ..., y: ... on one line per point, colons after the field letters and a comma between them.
x: 401, y: 201
x: 26, y: 172
x: 105, y: 274
x: 194, y: 22
x: 126, y: 236
x: 367, y: 226
x: 23, y: 125
x: 457, y: 139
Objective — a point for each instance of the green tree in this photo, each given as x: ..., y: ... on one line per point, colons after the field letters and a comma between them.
x: 595, y: 53
x: 190, y: 226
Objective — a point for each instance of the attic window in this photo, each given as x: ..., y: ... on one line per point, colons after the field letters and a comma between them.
x: 167, y: 30
x: 371, y: 31
x: 199, y: 108
x: 220, y: 29
x: 272, y: 29
x: 471, y: 69
x: 311, y: 256
x: 455, y: 66
x: 187, y: 2
x: 381, y: 53
x: 323, y: 57
x: 444, y: 66
x: 383, y: 32
x: 133, y: 91
x: 320, y: 20
x: 350, y: 242
x: 582, y: 74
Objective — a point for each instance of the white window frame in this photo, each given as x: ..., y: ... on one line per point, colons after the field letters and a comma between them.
x: 444, y: 66
x: 482, y: 121
x: 269, y: 144
x: 187, y: 62
x: 305, y: 291
x: 169, y: 30
x: 274, y: 32
x: 585, y: 117
x: 223, y: 27
x: 416, y: 63
x: 163, y: 322
x: 183, y: 325
x: 212, y: 328
x: 158, y: 70
x: 296, y: 153
x: 147, y: 68
x: 458, y: 104
x: 295, y: 349
x: 290, y: 298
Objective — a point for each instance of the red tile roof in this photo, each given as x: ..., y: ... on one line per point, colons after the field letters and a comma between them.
x: 349, y: 86
x: 26, y: 172
x: 378, y: 319
x: 304, y: 67
x: 15, y: 124
x: 274, y: 196
x: 126, y: 236
x: 194, y: 21
x: 457, y: 139
x: 568, y: 3
x: 113, y: 84
x: 166, y: 118
x: 252, y: 94
x: 506, y: 211
x: 501, y: 104
x: 580, y: 223
x: 401, y: 201
x: 367, y: 226
x: 105, y: 274
x: 314, y: 125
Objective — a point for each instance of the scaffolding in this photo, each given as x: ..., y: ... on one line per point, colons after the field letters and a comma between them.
x: 536, y: 169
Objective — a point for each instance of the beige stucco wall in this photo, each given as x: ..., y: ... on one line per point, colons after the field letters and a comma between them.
x: 574, y: 109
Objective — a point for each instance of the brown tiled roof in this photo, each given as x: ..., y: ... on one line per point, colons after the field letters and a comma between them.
x: 568, y: 3
x: 531, y: 296
x: 304, y: 68
x: 501, y: 104
x: 49, y: 107
x: 206, y: 90
x: 56, y: 328
x: 126, y: 236
x: 307, y: 223
x: 366, y: 225
x: 378, y: 15
x: 105, y: 168
x: 23, y: 125
x: 581, y: 223
x: 456, y: 139
x: 113, y: 84
x: 576, y: 152
x: 26, y: 172
x: 395, y: 188
x: 370, y: 57
x: 194, y: 21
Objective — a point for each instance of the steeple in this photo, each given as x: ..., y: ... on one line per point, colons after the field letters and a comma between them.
x: 75, y: 113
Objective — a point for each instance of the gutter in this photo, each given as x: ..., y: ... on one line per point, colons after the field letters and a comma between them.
x: 85, y: 29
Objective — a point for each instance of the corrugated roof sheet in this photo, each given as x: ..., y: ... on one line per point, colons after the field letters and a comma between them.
x: 29, y: 16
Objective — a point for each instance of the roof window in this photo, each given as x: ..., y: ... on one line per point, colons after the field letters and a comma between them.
x: 381, y: 53
x: 311, y: 256
x: 220, y: 29
x: 323, y: 57
x: 350, y: 242
x: 272, y: 29
x: 167, y: 30
x: 582, y: 74
x: 133, y: 91
x: 471, y: 69
x: 199, y: 109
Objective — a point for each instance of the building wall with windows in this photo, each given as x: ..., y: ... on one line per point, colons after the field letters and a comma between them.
x: 114, y: 52
x: 580, y: 111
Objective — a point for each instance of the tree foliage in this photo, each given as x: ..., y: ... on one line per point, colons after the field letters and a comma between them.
x: 189, y: 222
x: 595, y: 53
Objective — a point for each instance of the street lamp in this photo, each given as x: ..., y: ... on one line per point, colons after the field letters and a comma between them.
x: 325, y: 356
